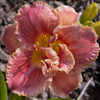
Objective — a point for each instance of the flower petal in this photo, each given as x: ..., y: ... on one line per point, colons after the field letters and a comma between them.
x: 66, y: 59
x: 81, y: 41
x: 9, y: 39
x: 48, y: 68
x: 50, y: 64
x: 35, y: 21
x: 64, y: 83
x: 51, y: 54
x: 68, y: 15
x: 23, y: 77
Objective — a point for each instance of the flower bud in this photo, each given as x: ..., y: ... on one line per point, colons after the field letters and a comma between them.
x: 89, y: 13
x: 96, y: 26
x: 87, y: 23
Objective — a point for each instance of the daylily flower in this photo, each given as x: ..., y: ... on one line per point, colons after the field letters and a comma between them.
x: 49, y: 49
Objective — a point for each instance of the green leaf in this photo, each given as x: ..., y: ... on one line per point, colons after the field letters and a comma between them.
x: 61, y: 99
x: 3, y: 89
x: 16, y: 97
x: 87, y: 23
x: 89, y: 13
x: 23, y: 98
x: 96, y: 26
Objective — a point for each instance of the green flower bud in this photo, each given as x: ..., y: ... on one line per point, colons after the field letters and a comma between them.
x: 89, y: 13
x: 96, y: 26
x: 87, y: 23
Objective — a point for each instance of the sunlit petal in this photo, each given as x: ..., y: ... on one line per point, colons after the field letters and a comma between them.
x: 23, y: 77
x: 64, y: 83
x: 34, y: 21
x: 51, y: 54
x: 66, y: 58
x: 68, y: 15
x: 48, y: 68
x: 81, y: 41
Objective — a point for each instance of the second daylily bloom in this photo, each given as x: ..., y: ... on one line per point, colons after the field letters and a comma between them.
x: 49, y: 49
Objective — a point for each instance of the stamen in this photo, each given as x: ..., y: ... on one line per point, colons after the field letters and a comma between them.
x: 45, y: 38
x: 53, y: 38
x: 35, y: 45
x: 41, y: 61
x: 50, y: 45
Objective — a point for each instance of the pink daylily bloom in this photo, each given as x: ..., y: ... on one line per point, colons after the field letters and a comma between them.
x: 49, y: 49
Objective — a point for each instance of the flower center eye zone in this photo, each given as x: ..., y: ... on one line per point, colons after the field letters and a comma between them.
x: 42, y: 40
x: 55, y: 46
x: 45, y: 41
x: 36, y: 56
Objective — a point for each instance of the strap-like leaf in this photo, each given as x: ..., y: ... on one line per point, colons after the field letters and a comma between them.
x: 16, y: 97
x: 3, y: 89
x: 61, y: 99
